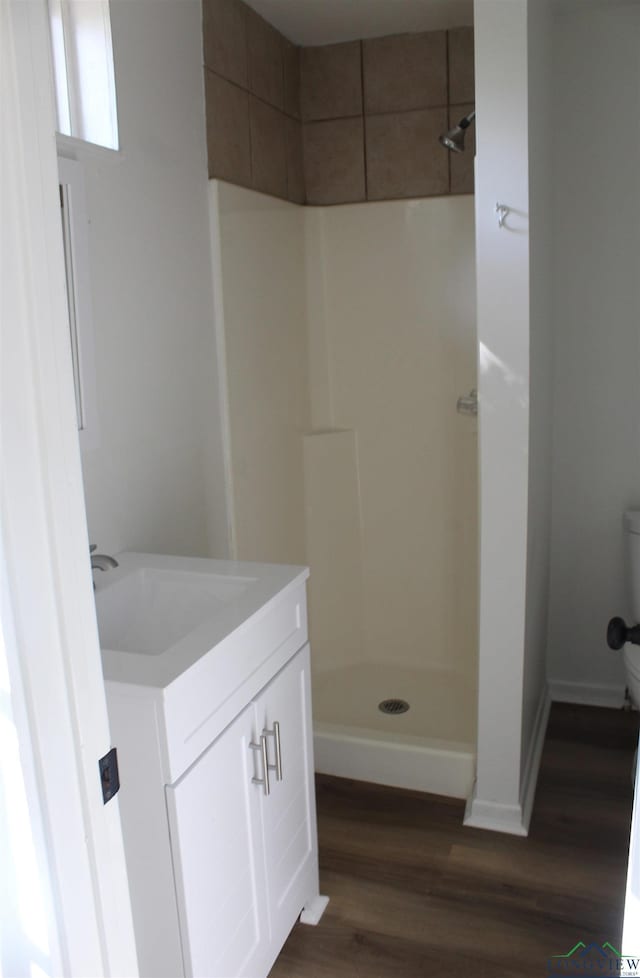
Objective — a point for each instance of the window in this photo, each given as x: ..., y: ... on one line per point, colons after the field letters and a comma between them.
x: 83, y: 68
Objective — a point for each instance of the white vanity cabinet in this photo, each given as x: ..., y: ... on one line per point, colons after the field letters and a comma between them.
x: 245, y: 860
x: 220, y: 862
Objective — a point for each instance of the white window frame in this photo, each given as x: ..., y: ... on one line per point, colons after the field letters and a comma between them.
x: 77, y: 267
x: 83, y: 68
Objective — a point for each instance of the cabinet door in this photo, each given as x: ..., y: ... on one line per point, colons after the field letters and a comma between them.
x: 288, y: 813
x: 217, y: 851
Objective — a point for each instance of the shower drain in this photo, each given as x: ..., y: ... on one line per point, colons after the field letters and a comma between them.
x: 393, y: 706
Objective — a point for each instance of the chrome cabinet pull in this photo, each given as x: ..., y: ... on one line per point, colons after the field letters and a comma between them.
x: 275, y: 733
x: 264, y: 780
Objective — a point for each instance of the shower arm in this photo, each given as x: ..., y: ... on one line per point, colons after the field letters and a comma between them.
x: 468, y: 119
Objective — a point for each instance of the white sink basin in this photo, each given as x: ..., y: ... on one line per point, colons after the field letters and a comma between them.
x: 193, y: 640
x: 148, y: 610
x: 157, y: 615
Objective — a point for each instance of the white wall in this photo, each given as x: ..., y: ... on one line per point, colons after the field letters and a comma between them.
x: 513, y: 341
x: 558, y: 342
x: 596, y: 462
x: 154, y: 480
x: 503, y: 386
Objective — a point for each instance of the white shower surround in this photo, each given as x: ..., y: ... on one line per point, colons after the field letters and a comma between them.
x: 347, y: 335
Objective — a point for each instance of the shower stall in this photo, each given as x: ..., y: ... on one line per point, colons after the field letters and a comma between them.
x: 346, y: 336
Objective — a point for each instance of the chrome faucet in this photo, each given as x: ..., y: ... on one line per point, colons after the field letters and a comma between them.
x: 101, y: 561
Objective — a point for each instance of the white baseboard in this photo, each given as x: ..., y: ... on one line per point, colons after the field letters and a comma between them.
x: 514, y: 819
x: 587, y: 694
x: 414, y: 763
x: 529, y: 779
x: 494, y: 816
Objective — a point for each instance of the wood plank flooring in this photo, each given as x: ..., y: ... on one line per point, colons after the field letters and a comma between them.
x: 414, y: 893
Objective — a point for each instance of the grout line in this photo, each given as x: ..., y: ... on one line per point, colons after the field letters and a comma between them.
x: 247, y: 91
x: 335, y: 118
x: 281, y: 39
x: 364, y: 124
x: 304, y: 166
x: 373, y: 115
x: 448, y: 123
x: 250, y: 142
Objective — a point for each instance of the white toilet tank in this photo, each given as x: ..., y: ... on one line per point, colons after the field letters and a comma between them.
x: 632, y: 529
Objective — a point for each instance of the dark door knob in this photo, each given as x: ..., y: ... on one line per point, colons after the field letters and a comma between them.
x: 618, y: 633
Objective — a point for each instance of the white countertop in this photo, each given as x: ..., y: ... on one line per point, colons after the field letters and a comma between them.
x: 252, y: 587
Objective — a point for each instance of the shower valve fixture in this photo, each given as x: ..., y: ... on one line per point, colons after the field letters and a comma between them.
x: 468, y: 404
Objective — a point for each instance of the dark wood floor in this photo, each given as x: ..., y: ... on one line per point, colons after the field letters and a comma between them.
x: 414, y: 893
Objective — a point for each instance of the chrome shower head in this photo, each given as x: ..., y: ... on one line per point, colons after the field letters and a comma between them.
x: 454, y: 138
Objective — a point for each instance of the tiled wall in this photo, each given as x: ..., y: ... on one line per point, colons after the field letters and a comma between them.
x: 335, y: 124
x: 373, y: 110
x: 252, y: 85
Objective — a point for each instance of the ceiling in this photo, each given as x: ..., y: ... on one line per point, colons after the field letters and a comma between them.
x: 310, y: 22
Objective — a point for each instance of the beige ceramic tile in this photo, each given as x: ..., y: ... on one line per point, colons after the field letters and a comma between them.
x: 291, y: 58
x: 225, y: 45
x: 461, y: 164
x: 228, y: 142
x: 408, y: 71
x: 268, y: 149
x: 264, y: 48
x: 461, y: 66
x: 295, y: 162
x: 334, y: 161
x: 404, y: 157
x: 331, y: 81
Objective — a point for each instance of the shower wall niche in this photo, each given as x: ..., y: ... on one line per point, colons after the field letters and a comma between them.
x: 348, y: 334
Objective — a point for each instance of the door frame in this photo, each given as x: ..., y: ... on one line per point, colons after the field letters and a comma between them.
x: 51, y: 638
